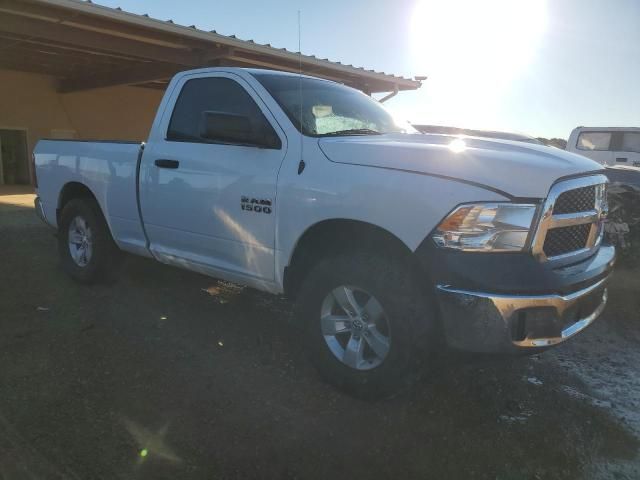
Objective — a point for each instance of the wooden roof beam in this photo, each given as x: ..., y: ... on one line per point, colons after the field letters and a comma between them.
x: 34, y: 43
x: 144, y: 72
x: 10, y: 64
x: 60, y: 33
x: 128, y: 76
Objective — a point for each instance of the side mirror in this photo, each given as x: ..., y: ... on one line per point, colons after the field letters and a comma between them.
x: 232, y: 128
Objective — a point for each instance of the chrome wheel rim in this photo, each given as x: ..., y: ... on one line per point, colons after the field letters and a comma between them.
x: 355, y: 327
x: 80, y: 241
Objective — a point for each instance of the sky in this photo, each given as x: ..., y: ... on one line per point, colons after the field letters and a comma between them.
x: 540, y: 67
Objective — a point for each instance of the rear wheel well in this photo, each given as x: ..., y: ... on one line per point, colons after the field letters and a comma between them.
x: 336, y: 236
x: 71, y: 191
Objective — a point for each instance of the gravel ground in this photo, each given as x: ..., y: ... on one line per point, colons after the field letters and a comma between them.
x: 169, y: 374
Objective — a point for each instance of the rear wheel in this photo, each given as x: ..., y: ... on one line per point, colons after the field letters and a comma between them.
x: 362, y: 314
x: 87, y: 250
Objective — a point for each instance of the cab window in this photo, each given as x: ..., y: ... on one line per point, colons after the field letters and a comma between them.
x: 594, y: 141
x: 223, y: 98
x: 631, y: 142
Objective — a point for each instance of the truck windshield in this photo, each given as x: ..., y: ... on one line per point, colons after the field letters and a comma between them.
x: 328, y: 108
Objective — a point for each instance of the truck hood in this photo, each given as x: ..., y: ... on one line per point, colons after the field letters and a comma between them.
x: 516, y: 168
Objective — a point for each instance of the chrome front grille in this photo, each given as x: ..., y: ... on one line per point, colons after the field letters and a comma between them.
x: 571, y: 218
x: 579, y: 200
x: 563, y: 240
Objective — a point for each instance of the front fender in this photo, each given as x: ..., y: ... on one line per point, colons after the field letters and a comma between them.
x: 408, y: 205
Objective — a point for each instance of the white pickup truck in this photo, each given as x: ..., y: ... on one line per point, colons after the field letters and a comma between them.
x: 390, y: 241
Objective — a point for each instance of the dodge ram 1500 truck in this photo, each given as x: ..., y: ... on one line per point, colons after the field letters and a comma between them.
x: 388, y: 240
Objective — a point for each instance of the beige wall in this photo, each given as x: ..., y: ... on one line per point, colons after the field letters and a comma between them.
x: 29, y: 101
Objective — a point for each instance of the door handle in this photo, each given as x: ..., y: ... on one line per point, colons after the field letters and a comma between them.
x: 162, y: 163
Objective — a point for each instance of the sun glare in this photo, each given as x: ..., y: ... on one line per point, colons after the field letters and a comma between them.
x: 458, y: 145
x: 473, y: 50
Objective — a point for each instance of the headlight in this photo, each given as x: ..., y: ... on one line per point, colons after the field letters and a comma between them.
x: 487, y: 227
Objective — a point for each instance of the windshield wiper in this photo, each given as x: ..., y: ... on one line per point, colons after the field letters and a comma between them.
x: 352, y: 131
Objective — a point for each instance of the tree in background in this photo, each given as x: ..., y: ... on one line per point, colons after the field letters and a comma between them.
x: 560, y: 143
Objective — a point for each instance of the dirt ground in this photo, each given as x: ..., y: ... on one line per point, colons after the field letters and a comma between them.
x: 168, y: 374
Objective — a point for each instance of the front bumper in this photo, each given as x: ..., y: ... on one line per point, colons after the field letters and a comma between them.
x: 512, y: 322
x: 481, y: 322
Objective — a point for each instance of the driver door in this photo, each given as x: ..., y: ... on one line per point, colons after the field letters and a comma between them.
x: 199, y: 195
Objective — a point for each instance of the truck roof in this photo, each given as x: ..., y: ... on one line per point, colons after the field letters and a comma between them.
x: 252, y: 71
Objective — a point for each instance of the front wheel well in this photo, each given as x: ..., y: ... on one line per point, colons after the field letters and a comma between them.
x: 331, y: 237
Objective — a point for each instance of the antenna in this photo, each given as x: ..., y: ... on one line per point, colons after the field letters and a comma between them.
x: 301, y: 165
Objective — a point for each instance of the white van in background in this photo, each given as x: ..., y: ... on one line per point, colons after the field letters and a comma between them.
x: 608, y: 146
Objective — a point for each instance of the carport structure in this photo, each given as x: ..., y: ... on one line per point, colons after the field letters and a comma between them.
x: 73, y: 69
x: 89, y: 46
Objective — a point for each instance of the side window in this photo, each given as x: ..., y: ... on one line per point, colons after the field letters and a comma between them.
x: 219, y: 110
x: 631, y: 142
x: 594, y: 141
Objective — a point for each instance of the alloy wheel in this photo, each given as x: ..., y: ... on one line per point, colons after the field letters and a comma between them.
x: 355, y: 327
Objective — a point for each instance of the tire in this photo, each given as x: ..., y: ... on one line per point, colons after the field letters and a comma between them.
x: 405, y: 308
x: 102, y: 255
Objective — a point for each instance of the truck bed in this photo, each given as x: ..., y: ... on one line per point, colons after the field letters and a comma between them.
x: 108, y: 168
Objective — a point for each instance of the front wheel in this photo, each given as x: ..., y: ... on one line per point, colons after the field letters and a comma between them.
x: 87, y: 250
x: 362, y: 314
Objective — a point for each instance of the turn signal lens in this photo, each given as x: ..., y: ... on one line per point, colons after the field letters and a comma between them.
x: 489, y: 227
x: 454, y: 221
